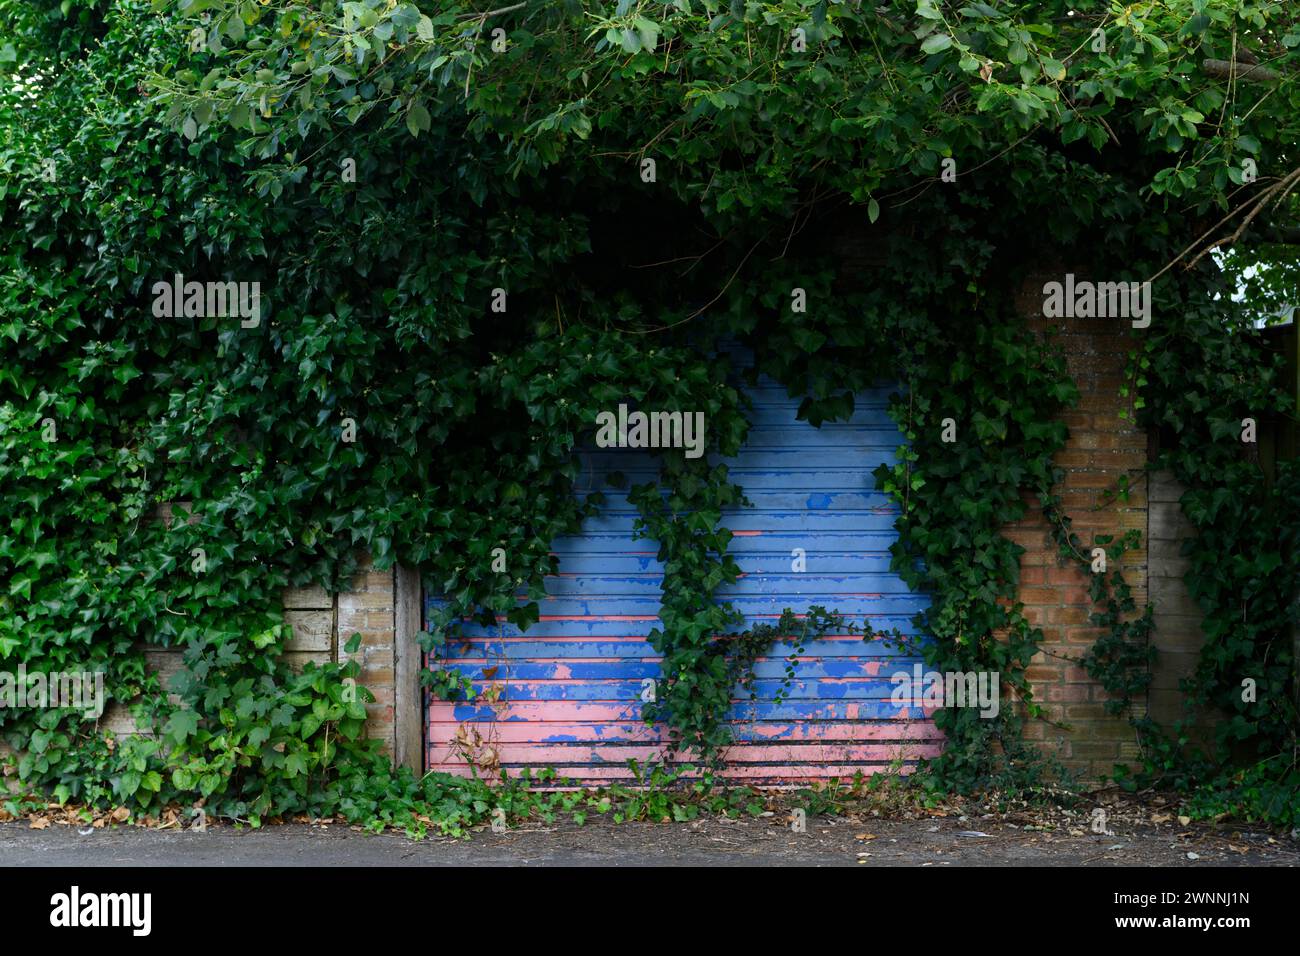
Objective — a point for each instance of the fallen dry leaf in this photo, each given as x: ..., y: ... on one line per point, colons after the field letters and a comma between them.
x: 39, y: 823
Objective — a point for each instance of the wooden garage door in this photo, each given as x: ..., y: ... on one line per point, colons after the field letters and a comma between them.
x: 569, y: 688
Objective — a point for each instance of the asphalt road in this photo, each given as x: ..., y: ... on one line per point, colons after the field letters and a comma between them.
x: 712, y: 842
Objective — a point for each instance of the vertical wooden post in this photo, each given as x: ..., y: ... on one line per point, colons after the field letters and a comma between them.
x: 1289, y: 448
x: 408, y: 696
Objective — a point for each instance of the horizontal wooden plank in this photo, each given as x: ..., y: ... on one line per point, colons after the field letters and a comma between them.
x: 838, y: 437
x: 805, y: 668
x: 314, y: 597
x: 757, y: 606
x: 614, y: 754
x: 546, y: 731
x: 581, y: 626
x: 811, y: 522
x: 816, y: 561
x: 312, y: 630
x: 822, y: 477
x: 790, y: 585
x: 757, y: 775
x: 594, y: 689
x: 767, y: 390
x: 768, y: 413
x: 492, y: 647
x: 768, y: 542
x: 879, y: 448
x: 581, y: 711
x: 785, y: 499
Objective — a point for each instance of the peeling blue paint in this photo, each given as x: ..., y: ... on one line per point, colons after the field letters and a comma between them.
x: 579, y: 672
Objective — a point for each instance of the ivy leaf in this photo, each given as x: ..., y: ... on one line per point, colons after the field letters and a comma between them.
x: 295, y: 764
x: 182, y: 725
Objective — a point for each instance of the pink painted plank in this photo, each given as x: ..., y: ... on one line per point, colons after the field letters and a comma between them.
x: 819, y: 753
x: 749, y: 774
x: 545, y: 731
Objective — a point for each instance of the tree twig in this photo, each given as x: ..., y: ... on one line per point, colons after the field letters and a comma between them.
x: 1232, y: 69
x: 493, y: 13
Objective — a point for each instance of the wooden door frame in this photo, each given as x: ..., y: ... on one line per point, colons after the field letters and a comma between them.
x: 408, y: 660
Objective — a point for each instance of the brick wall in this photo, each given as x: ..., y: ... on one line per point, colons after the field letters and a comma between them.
x: 1102, y: 447
x: 373, y: 606
x: 1177, y: 637
x: 368, y: 608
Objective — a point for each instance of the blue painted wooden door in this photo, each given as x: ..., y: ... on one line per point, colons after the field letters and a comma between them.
x: 568, y: 691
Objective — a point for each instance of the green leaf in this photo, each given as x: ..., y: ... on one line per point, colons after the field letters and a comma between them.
x: 181, y: 725
x: 417, y: 118
x: 936, y: 43
x: 1053, y: 68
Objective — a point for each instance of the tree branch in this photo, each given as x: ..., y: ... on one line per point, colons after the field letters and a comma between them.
x: 1229, y: 69
x: 493, y: 13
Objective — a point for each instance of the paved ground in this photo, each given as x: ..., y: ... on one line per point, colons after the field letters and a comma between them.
x: 713, y: 842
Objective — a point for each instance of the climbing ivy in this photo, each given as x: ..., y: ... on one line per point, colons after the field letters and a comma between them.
x: 470, y: 243
x: 1204, y: 381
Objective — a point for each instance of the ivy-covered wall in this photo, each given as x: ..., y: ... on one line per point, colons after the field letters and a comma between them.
x: 1104, y: 447
x: 322, y: 624
x: 470, y: 254
x: 1105, y: 452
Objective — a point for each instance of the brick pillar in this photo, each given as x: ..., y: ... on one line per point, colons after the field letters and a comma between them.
x: 1177, y: 636
x: 1102, y: 447
x: 369, y: 608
